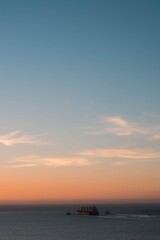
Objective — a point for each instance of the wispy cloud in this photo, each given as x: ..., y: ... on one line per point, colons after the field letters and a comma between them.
x: 115, y: 125
x: 156, y: 137
x: 35, y: 161
x: 17, y: 137
x: 119, y: 153
x: 121, y: 127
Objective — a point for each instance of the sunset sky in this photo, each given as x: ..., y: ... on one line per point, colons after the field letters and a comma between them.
x: 79, y: 100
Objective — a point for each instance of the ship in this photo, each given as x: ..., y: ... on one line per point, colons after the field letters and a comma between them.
x: 88, y: 210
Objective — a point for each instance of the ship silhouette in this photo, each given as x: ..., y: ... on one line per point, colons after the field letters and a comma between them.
x: 88, y: 210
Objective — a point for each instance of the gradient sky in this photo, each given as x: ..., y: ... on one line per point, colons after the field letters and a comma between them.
x: 79, y: 100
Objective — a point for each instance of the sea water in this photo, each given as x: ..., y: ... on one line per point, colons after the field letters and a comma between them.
x: 126, y: 222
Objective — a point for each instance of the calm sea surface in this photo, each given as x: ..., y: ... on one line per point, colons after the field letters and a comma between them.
x: 128, y: 222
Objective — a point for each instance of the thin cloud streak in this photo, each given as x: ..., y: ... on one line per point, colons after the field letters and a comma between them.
x: 35, y: 161
x: 121, y: 153
x: 23, y: 165
x: 16, y: 137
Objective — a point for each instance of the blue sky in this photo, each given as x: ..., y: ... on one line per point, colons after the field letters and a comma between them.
x: 79, y: 75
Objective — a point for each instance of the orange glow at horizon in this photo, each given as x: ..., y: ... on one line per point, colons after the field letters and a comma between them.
x: 66, y: 184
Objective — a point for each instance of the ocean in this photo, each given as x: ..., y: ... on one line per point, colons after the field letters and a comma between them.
x: 50, y: 222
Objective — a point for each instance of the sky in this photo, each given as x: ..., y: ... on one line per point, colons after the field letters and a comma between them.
x: 79, y: 101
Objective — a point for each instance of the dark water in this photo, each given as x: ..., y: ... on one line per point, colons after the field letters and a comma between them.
x: 128, y: 222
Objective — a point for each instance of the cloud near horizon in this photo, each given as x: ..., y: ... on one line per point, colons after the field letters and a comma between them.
x: 35, y: 161
x: 16, y: 137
